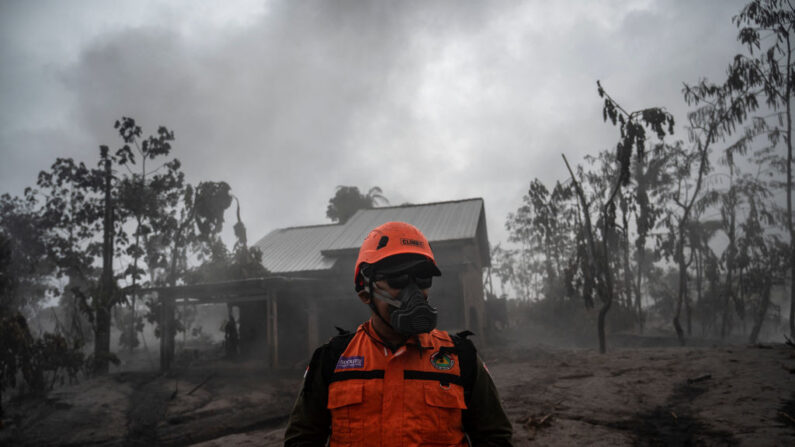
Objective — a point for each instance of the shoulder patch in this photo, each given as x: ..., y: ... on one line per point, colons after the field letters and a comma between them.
x: 350, y: 362
x: 442, y: 360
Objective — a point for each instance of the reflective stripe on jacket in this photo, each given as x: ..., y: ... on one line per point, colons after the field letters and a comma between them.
x: 408, y: 397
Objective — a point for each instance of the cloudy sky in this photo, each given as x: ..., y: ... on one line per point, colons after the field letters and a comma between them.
x: 285, y: 100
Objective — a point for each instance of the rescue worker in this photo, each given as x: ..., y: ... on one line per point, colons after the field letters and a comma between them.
x: 397, y: 381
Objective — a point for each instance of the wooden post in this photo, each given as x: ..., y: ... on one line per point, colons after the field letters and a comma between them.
x: 272, y: 334
x: 312, y: 326
x: 268, y: 329
x: 167, y: 331
x: 275, y: 326
x: 162, y: 323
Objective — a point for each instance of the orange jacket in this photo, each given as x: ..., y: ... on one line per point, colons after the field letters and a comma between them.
x: 408, y: 397
x: 382, y: 398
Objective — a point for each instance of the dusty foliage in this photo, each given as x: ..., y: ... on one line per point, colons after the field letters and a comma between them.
x: 40, y: 363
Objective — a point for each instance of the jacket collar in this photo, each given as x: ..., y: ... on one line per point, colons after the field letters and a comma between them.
x: 421, y: 341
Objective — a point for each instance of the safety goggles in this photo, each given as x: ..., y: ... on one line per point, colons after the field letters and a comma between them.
x: 423, y: 280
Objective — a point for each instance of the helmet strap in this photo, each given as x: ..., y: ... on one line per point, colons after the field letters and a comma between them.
x: 371, y: 291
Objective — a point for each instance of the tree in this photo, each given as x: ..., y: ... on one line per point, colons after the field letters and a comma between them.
x: 769, y: 74
x: 701, y: 233
x: 193, y: 219
x: 347, y: 200
x: 142, y: 194
x: 719, y: 109
x: 15, y: 342
x: 503, y: 264
x: 728, y: 208
x: 596, y: 266
x: 650, y: 178
x: 24, y: 266
x: 761, y: 256
x: 80, y: 204
x: 220, y: 264
x: 543, y: 229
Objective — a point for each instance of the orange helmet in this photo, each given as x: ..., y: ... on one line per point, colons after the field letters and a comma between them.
x: 390, y: 239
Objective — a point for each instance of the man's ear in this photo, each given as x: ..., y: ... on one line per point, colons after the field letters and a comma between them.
x: 364, y: 296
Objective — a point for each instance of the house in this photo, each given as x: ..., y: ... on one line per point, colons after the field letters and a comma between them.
x: 320, y: 261
x: 309, y: 291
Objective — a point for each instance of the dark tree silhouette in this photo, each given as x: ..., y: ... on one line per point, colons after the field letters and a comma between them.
x: 142, y: 193
x: 79, y: 205
x: 348, y: 200
x: 24, y: 265
x: 770, y: 74
x: 596, y: 269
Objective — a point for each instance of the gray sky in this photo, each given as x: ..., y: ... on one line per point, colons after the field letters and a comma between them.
x: 285, y: 100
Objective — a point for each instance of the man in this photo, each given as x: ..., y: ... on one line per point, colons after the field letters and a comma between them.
x: 397, y: 381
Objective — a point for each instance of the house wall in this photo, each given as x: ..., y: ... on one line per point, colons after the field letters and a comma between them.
x: 252, y: 331
x: 474, y: 305
x: 293, y: 329
x: 310, y: 311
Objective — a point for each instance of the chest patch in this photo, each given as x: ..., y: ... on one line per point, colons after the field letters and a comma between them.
x: 350, y: 362
x: 442, y: 361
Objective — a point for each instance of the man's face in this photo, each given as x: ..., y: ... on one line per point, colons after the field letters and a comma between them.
x: 384, y: 287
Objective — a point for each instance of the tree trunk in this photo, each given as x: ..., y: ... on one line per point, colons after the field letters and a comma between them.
x: 730, y: 253
x: 688, y: 301
x: 688, y: 313
x: 167, y: 332
x: 699, y: 283
x: 607, y: 290
x: 132, y: 335
x: 167, y: 315
x: 789, y: 193
x: 627, y: 270
x: 760, y: 316
x: 104, y: 301
x: 101, y: 340
x: 740, y: 300
x: 680, y: 258
x: 727, y: 302
x: 593, y: 266
x: 601, y: 326
x: 638, y: 283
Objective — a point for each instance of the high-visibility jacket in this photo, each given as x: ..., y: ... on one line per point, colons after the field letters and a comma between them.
x: 408, y: 397
x: 370, y: 395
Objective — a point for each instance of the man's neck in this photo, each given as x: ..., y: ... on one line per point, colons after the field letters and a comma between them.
x: 388, y: 335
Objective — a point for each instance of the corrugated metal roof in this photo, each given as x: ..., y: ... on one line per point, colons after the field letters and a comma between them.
x: 300, y: 249
x: 297, y: 249
x: 440, y: 221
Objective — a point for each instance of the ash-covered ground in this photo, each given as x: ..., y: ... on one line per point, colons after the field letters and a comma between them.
x: 659, y: 394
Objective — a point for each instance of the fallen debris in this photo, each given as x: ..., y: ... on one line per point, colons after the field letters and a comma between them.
x: 534, y: 422
x: 699, y: 379
x: 201, y: 384
x: 622, y: 371
x: 576, y: 376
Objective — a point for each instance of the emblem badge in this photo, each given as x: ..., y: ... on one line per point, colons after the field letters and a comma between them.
x: 442, y: 361
x: 350, y: 362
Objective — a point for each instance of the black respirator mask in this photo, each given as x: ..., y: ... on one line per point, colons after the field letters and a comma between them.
x: 409, y: 312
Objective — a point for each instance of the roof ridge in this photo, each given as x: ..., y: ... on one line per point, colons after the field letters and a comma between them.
x: 298, y: 227
x: 411, y: 205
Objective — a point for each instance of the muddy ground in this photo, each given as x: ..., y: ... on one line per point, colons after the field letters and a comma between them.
x: 648, y: 396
